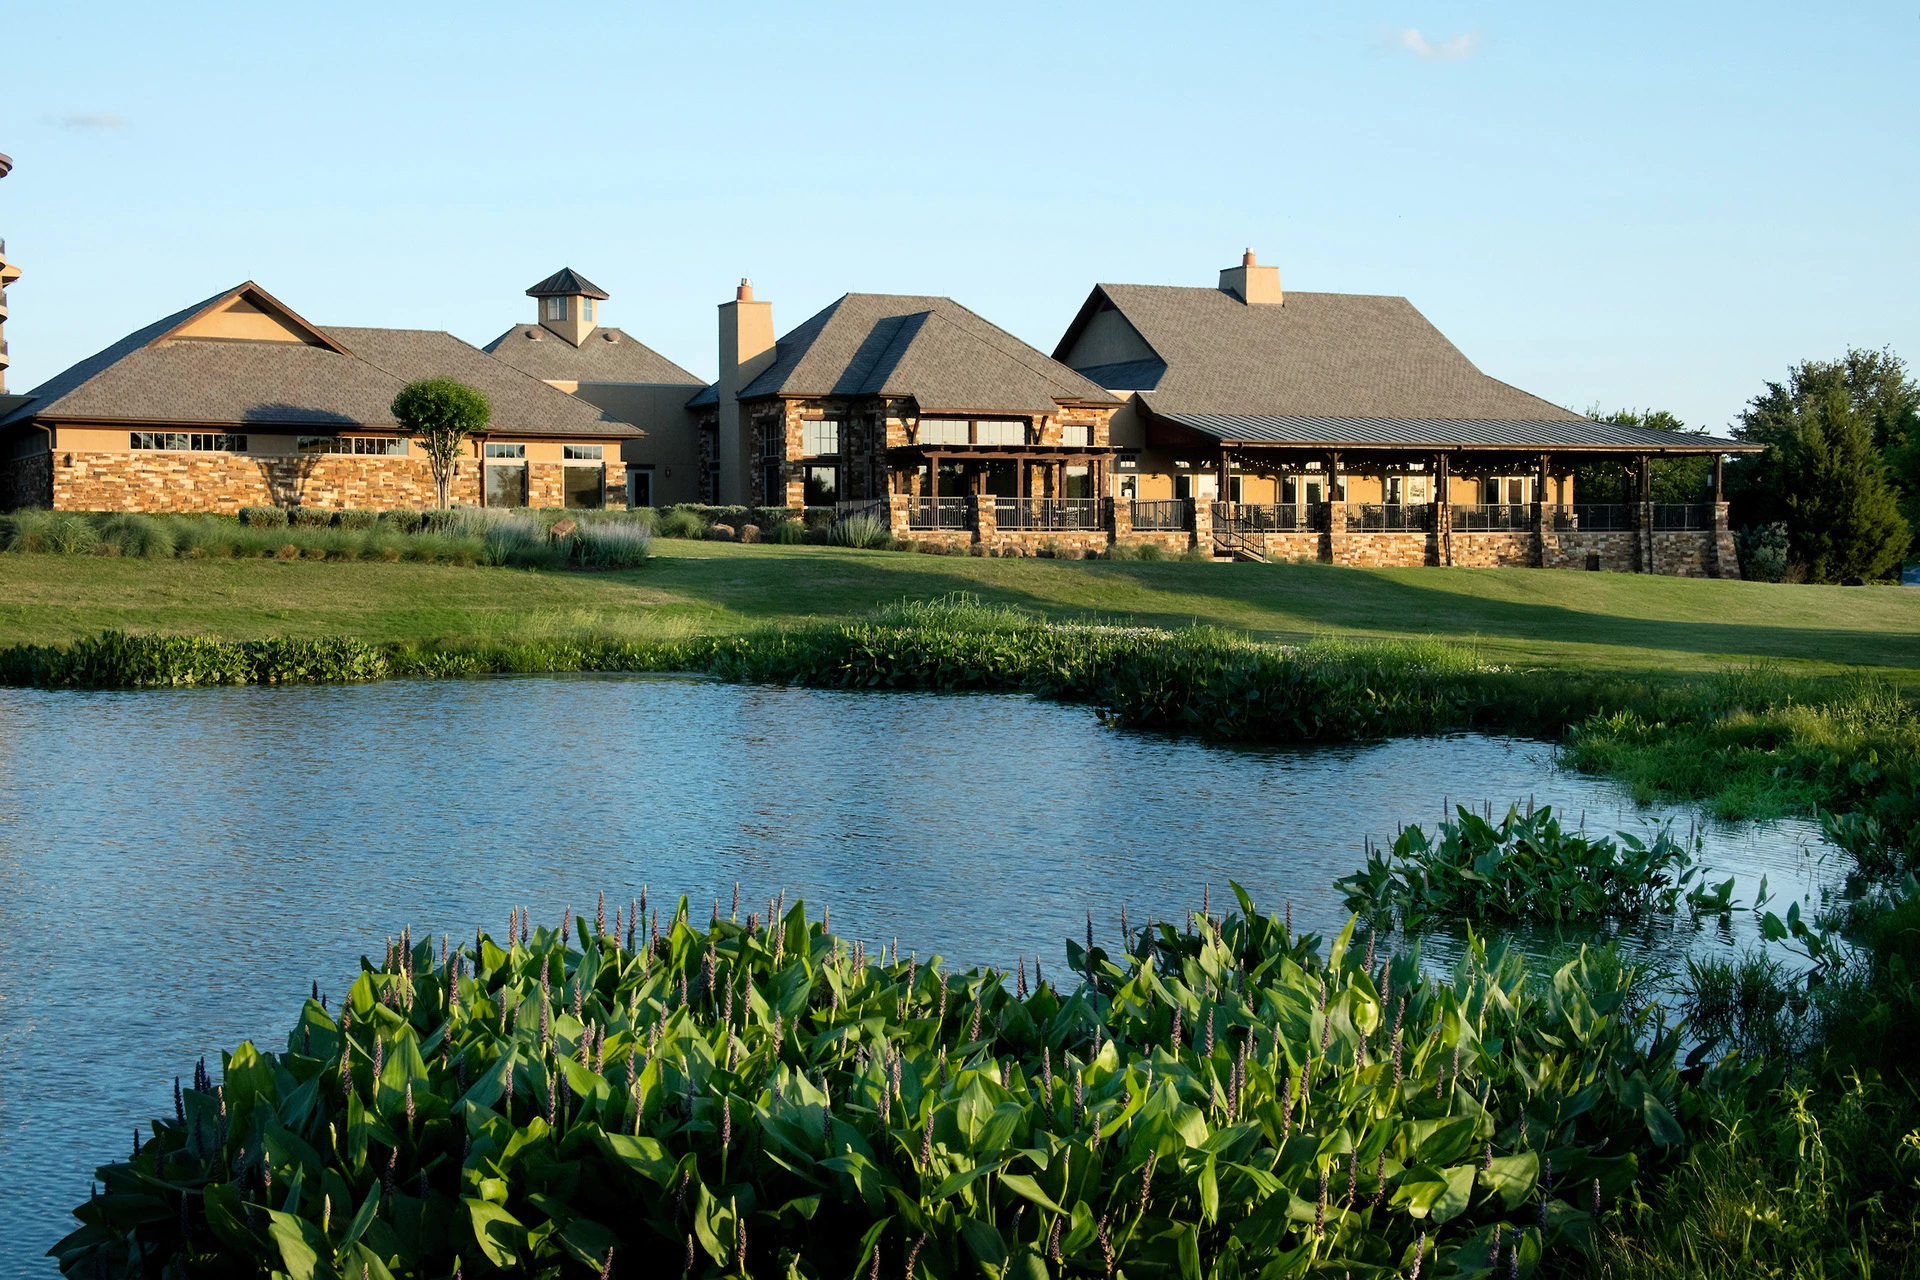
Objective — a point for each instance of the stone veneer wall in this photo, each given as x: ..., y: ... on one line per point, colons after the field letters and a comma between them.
x: 27, y: 481
x: 1684, y: 554
x: 1569, y: 550
x: 165, y: 481
x: 1381, y: 550
x: 1506, y: 550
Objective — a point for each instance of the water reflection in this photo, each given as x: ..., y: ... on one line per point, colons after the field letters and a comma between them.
x: 176, y: 866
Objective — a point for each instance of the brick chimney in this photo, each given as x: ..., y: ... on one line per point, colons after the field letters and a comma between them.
x: 746, y: 349
x: 1252, y: 283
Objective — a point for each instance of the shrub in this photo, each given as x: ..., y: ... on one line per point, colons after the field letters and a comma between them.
x: 263, y: 517
x: 402, y: 520
x: 767, y: 517
x: 862, y: 532
x: 309, y: 518
x: 356, y: 518
x: 1763, y: 552
x: 720, y: 533
x: 1136, y: 551
x: 787, y: 533
x: 682, y: 522
x: 1201, y: 1104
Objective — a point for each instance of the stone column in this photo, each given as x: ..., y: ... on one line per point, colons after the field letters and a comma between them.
x: 1336, y: 529
x: 1725, y: 561
x: 1202, y: 524
x: 985, y: 525
x: 1119, y: 520
x: 897, y: 515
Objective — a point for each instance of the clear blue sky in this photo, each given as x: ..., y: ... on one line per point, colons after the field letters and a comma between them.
x: 1628, y: 204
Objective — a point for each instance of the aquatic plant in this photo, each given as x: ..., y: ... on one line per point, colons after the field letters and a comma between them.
x: 776, y: 1102
x: 1524, y: 866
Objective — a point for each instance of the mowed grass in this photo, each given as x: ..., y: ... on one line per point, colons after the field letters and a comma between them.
x: 1524, y: 617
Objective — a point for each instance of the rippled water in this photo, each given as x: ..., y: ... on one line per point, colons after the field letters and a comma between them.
x: 177, y: 866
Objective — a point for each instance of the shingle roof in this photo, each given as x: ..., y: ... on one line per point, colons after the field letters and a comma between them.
x: 1410, y: 433
x: 933, y: 349
x: 148, y: 377
x: 565, y: 284
x: 608, y: 355
x: 1334, y: 355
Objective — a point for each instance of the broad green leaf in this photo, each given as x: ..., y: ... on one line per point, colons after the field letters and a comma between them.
x: 497, y: 1231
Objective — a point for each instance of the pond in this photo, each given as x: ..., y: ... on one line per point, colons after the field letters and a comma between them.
x: 177, y: 866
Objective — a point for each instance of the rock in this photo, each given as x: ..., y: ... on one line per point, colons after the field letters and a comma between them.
x: 749, y: 533
x: 720, y: 533
x: 563, y: 528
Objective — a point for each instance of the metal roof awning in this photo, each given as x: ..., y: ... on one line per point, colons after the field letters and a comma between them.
x: 1428, y: 434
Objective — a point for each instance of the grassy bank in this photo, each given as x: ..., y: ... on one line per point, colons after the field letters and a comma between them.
x: 1577, y: 621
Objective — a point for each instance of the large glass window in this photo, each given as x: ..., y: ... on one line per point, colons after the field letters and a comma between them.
x: 1077, y: 435
x: 506, y: 484
x: 1000, y: 431
x: 820, y: 437
x: 822, y: 486
x: 506, y: 450
x: 191, y: 441
x: 944, y: 431
x: 378, y: 446
x: 583, y: 486
x: 583, y: 452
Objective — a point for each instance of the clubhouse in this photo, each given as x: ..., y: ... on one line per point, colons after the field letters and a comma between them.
x: 1237, y: 418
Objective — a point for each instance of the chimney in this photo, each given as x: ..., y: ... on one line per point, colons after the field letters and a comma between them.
x: 1252, y: 283
x: 746, y: 349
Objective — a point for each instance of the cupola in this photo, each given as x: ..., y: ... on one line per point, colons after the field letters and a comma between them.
x: 569, y: 305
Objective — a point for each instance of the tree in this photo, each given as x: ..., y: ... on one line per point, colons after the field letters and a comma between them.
x: 1878, y: 391
x: 1843, y: 516
x: 1682, y: 479
x: 440, y: 413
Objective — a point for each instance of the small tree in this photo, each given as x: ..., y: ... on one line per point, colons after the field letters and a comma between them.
x: 440, y: 413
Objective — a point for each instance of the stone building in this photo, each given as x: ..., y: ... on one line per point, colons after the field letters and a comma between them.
x: 1346, y: 427
x: 238, y: 401
x: 568, y: 347
x: 913, y: 409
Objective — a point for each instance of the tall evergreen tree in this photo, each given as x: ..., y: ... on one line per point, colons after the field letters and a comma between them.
x: 1843, y: 516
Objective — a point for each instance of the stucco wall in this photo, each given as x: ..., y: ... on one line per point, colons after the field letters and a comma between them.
x: 672, y: 443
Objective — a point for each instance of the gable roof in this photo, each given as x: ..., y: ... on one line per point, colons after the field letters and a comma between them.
x: 944, y: 356
x: 607, y: 355
x: 347, y: 380
x: 565, y: 284
x: 1327, y: 355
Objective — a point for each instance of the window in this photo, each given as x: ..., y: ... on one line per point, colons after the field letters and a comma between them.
x: 506, y: 450
x: 820, y: 437
x: 375, y: 445
x: 1127, y: 462
x: 944, y: 431
x: 192, y: 441
x: 1077, y: 434
x: 583, y: 486
x: 822, y: 487
x: 586, y: 310
x: 556, y: 308
x: 507, y: 485
x: 582, y: 452
x: 1000, y: 431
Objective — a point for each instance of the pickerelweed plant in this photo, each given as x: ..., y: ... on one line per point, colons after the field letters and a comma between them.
x: 1524, y: 866
x: 1216, y: 1101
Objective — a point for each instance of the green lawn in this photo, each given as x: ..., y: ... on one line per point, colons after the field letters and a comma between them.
x: 1533, y: 617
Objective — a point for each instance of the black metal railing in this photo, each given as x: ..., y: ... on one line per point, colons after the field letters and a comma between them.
x: 1677, y: 516
x: 1160, y: 515
x: 1248, y: 517
x: 1389, y: 517
x: 873, y: 508
x: 1047, y: 513
x: 936, y: 513
x: 1592, y: 517
x: 1493, y: 518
